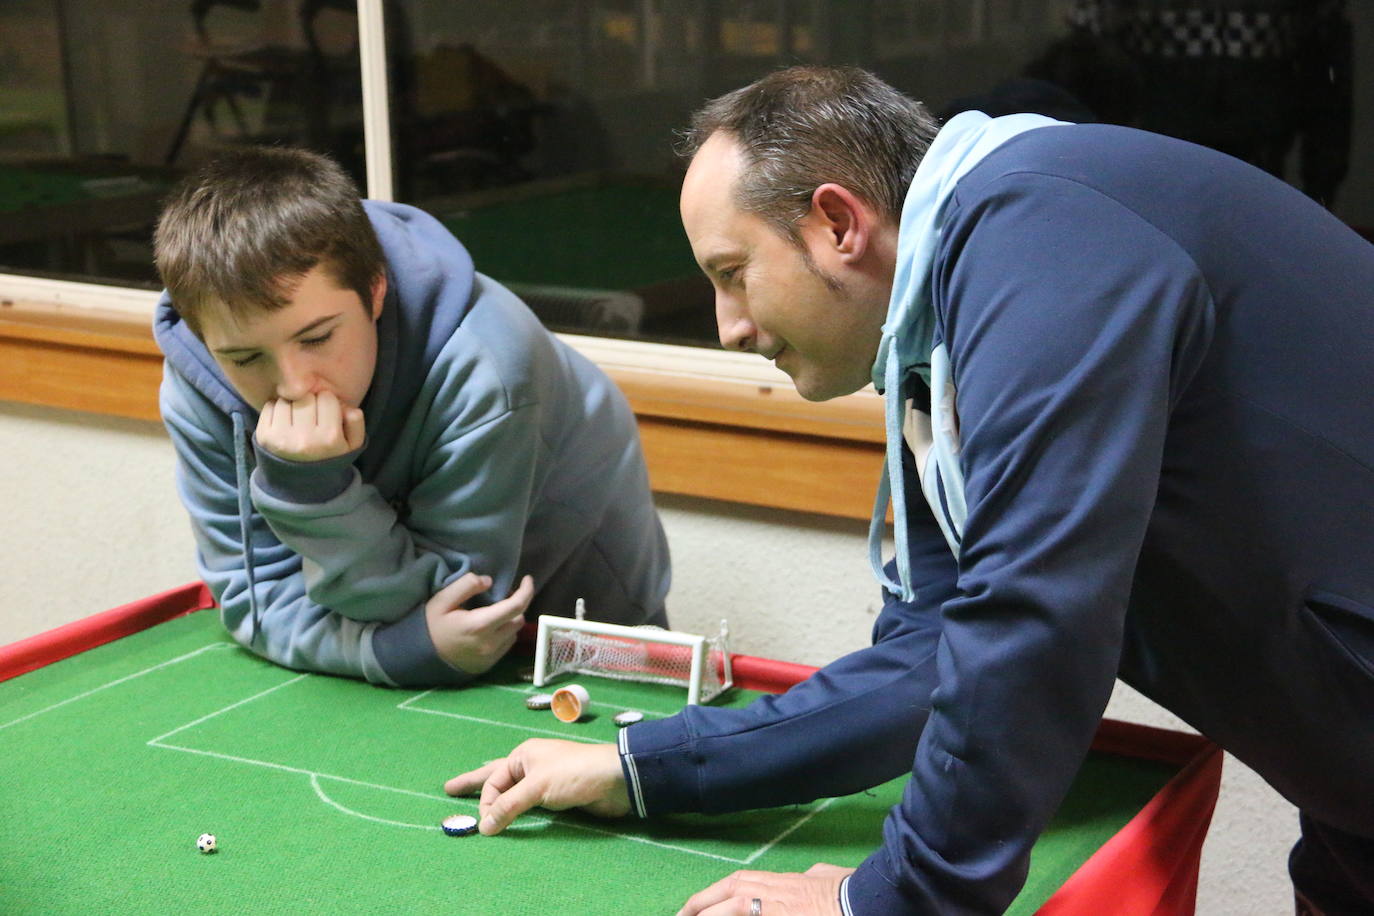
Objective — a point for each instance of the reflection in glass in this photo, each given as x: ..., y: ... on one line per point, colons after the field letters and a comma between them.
x: 541, y: 131
x: 104, y: 104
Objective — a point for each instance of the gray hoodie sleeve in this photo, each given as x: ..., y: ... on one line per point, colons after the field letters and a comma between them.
x: 294, y: 630
x: 466, y: 513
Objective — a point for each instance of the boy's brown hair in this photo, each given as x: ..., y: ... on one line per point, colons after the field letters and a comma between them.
x: 239, y: 232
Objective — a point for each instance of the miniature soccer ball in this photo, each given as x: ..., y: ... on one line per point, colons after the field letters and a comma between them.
x: 206, y: 842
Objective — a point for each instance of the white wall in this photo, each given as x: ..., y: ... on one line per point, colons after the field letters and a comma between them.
x: 92, y: 522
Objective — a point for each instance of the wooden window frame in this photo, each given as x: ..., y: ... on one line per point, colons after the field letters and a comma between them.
x: 717, y: 425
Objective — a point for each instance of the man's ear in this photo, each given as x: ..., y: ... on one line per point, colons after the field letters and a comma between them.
x: 378, y: 295
x: 845, y: 220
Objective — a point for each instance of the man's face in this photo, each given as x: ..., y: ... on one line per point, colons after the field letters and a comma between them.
x: 324, y: 339
x: 772, y: 296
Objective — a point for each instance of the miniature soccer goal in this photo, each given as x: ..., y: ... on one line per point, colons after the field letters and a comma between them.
x: 647, y: 654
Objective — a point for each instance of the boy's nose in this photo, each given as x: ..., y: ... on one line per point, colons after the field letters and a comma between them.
x: 295, y: 381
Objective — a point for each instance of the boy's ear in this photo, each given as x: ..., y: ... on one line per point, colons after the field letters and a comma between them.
x: 378, y: 295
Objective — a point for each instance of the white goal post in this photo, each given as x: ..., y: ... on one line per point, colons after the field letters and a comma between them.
x: 647, y: 654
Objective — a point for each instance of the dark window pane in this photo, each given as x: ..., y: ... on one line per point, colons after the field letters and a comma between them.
x: 541, y: 132
x: 103, y: 105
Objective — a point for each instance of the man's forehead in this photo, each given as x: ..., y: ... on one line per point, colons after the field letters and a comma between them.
x: 709, y: 214
x: 714, y: 169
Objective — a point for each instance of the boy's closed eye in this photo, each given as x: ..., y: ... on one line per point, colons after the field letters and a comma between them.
x: 320, y: 340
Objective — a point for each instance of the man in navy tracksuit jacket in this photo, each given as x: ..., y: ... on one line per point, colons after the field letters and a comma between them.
x: 1130, y: 389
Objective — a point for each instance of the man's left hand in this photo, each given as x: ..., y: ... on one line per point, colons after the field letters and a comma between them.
x: 815, y: 893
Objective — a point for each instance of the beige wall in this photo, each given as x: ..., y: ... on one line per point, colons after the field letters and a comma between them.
x: 92, y: 521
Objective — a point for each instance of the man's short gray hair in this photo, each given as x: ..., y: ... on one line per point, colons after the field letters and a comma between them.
x: 803, y: 127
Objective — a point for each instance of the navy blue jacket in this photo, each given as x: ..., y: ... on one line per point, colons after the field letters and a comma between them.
x: 1165, y: 370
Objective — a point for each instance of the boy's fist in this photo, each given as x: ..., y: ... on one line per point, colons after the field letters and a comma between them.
x: 313, y: 428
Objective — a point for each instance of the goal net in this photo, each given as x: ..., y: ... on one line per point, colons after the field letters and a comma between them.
x: 649, y: 654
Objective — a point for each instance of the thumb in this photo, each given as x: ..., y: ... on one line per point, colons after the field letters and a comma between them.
x: 458, y: 592
x: 355, y: 428
x: 512, y: 803
x: 508, y: 608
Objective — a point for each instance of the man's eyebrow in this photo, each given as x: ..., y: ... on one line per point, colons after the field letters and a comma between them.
x: 225, y: 351
x: 712, y: 264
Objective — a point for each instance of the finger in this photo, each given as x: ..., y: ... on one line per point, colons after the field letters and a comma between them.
x: 460, y: 590
x: 304, y: 412
x: 467, y: 783
x: 512, y: 803
x: 265, y: 418
x: 504, y: 774
x: 717, y: 893
x: 328, y: 413
x: 355, y: 428
x: 507, y: 610
x: 736, y: 906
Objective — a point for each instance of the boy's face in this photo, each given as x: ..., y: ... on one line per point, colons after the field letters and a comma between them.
x: 324, y: 339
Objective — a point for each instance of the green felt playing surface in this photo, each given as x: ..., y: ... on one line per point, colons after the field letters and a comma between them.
x: 325, y: 796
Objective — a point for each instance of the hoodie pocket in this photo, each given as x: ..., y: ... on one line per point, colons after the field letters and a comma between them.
x: 1350, y: 623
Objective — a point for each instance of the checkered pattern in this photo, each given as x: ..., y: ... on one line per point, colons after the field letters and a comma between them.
x: 1244, y: 35
x: 1243, y: 32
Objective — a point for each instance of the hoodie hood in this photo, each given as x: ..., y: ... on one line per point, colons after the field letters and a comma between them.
x: 429, y: 290
x: 911, y: 346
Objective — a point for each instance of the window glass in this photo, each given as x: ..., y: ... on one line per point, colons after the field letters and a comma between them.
x: 541, y: 132
x: 104, y: 103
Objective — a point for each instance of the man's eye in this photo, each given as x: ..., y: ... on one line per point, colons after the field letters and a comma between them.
x: 247, y: 360
x: 316, y: 341
x: 728, y: 275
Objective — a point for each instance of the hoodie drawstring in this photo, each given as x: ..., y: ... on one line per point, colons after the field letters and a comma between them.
x: 245, y: 518
x: 892, y: 485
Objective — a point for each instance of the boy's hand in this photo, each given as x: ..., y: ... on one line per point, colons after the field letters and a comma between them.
x: 312, y: 429
x: 551, y: 774
x: 474, y: 640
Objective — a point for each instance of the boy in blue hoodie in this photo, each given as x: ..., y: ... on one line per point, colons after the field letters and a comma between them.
x: 1130, y: 434
x: 375, y: 442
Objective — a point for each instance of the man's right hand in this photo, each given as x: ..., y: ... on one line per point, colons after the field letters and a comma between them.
x: 556, y: 775
x: 473, y: 640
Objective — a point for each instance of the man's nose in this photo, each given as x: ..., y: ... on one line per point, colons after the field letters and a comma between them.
x: 736, y: 331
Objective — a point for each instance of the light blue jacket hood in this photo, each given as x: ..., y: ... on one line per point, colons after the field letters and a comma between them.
x: 911, y: 343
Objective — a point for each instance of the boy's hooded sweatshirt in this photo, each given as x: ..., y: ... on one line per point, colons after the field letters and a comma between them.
x: 491, y: 447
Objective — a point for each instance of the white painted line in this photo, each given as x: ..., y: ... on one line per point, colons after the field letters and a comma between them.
x: 114, y: 683
x: 777, y: 839
x: 315, y: 784
x: 520, y: 728
x: 261, y: 693
x: 527, y: 820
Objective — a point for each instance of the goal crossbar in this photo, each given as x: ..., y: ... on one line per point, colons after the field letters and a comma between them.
x: 646, y: 653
